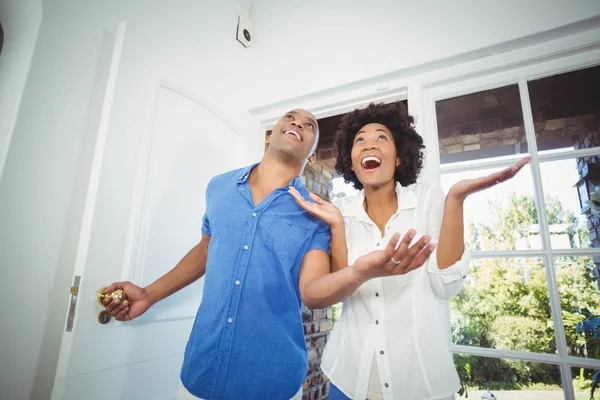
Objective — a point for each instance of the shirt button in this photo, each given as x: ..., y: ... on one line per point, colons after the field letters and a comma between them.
x: 254, y: 214
x: 237, y: 283
x: 381, y: 352
x: 376, y: 294
x: 230, y: 320
x: 377, y: 322
x: 386, y: 385
x: 377, y: 245
x: 246, y: 247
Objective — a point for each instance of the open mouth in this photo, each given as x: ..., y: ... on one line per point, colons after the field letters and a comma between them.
x: 294, y: 134
x: 370, y: 163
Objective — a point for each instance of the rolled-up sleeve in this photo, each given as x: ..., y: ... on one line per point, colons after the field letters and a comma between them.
x: 205, y: 218
x: 445, y: 283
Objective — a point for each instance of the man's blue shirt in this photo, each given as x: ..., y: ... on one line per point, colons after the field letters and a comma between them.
x: 248, y: 341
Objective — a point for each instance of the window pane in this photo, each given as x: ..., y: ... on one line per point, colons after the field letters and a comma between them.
x: 507, y: 379
x: 566, y: 110
x: 501, y: 217
x: 582, y: 382
x: 504, y: 305
x: 481, y: 125
x: 580, y: 304
x: 568, y: 185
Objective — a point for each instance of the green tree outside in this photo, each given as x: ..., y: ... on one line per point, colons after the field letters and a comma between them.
x: 505, y: 303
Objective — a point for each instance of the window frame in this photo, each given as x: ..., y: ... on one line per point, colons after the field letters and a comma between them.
x: 434, y: 170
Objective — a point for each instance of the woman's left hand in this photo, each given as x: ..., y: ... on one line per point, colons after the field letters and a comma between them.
x: 320, y: 208
x: 466, y: 187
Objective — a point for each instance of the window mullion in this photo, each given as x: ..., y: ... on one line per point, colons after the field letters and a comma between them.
x: 559, y: 331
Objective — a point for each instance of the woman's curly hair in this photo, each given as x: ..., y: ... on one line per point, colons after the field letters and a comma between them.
x: 409, y: 144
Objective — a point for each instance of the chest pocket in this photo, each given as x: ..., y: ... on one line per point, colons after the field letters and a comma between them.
x: 285, y: 238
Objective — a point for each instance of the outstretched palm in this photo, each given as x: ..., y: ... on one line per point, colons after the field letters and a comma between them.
x: 466, y: 187
x: 320, y: 208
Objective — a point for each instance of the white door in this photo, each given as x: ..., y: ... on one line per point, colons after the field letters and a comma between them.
x: 158, y: 145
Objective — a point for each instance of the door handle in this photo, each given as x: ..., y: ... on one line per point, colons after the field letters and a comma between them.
x: 104, y: 317
x: 117, y: 294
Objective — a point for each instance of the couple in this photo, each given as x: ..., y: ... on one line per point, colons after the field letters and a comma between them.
x: 268, y: 246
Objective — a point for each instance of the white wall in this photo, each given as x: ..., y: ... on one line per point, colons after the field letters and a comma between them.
x: 21, y: 21
x: 299, y: 48
x: 43, y: 187
x: 302, y: 47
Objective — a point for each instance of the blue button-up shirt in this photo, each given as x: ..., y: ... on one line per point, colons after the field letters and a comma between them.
x: 248, y: 341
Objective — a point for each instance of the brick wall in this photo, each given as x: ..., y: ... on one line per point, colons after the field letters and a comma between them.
x: 317, y: 178
x: 591, y: 139
x: 317, y: 323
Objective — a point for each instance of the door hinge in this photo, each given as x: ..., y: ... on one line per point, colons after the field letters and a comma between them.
x: 73, y: 303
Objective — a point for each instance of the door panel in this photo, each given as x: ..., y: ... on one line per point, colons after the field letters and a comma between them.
x: 158, y: 147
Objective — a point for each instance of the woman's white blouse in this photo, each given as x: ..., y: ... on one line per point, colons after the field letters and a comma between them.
x: 400, y: 323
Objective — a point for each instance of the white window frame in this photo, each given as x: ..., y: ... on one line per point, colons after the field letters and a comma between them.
x: 519, y: 76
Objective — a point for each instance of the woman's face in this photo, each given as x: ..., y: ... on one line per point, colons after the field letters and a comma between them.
x: 374, y: 158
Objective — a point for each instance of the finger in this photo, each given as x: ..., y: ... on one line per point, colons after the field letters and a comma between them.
x: 317, y: 199
x: 510, y: 172
x: 400, y: 252
x: 421, y: 258
x: 112, y: 305
x: 501, y: 176
x: 299, y: 199
x: 115, y: 311
x: 114, y: 286
x: 122, y: 315
x: 522, y: 162
x: 296, y: 194
x: 391, y: 246
x: 413, y: 251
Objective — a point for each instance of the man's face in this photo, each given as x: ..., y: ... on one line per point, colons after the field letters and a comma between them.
x: 295, y: 135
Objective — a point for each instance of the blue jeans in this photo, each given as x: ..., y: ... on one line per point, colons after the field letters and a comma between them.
x: 336, y: 394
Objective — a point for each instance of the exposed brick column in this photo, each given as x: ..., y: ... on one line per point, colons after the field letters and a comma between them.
x: 317, y: 323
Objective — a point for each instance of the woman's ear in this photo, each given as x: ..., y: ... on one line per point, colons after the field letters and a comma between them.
x: 397, y: 162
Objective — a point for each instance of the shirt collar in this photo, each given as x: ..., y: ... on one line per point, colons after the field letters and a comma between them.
x: 245, y: 173
x: 406, y: 200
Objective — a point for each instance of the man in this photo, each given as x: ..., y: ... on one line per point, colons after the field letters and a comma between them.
x: 262, y: 256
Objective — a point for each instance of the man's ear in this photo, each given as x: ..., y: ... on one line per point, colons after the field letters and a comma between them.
x: 312, y: 158
x: 268, y: 140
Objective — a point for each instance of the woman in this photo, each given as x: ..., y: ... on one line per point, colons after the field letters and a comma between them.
x: 391, y: 341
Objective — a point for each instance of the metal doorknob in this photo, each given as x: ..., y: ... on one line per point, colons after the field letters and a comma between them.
x: 117, y: 294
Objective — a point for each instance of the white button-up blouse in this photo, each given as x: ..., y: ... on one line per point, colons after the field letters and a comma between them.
x: 392, y: 338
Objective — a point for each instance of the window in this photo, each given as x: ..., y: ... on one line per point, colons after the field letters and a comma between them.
x: 528, y: 318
